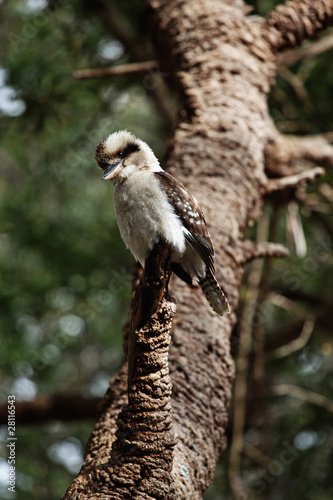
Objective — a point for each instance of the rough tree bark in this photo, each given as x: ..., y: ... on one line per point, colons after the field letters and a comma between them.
x: 226, y: 150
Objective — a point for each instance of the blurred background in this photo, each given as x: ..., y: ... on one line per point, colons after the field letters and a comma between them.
x: 66, y: 276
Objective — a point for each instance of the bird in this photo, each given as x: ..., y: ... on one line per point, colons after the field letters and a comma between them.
x: 150, y: 204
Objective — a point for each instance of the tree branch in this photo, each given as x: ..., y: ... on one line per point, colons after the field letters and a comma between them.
x: 255, y: 250
x: 285, y: 154
x: 295, y: 344
x: 142, y: 445
x: 297, y: 20
x: 295, y: 230
x: 304, y: 395
x: 241, y: 381
x: 56, y: 407
x: 298, y: 87
x: 293, y: 181
x: 314, y: 49
x: 149, y: 293
x: 123, y: 69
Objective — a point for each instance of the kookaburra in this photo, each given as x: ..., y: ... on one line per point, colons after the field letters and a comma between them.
x: 150, y: 204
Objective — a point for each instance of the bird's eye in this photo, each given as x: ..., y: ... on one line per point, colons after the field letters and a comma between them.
x: 121, y: 154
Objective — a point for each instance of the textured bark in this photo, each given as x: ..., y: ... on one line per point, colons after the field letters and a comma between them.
x: 222, y: 64
x: 139, y: 463
x: 289, y: 24
x: 288, y: 154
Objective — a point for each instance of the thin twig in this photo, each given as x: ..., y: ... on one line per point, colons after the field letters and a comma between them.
x: 312, y: 201
x: 304, y: 395
x: 289, y: 305
x: 123, y: 69
x: 245, y: 342
x: 256, y: 250
x: 256, y: 455
x: 314, y: 49
x: 292, y: 181
x: 296, y: 83
x: 264, y: 287
x: 296, y: 344
x: 295, y: 230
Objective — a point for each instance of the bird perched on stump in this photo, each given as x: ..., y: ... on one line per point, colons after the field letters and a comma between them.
x: 151, y: 204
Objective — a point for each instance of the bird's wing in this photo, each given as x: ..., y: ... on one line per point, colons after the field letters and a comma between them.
x: 191, y: 215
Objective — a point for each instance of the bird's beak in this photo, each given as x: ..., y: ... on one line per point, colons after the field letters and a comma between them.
x: 112, y: 170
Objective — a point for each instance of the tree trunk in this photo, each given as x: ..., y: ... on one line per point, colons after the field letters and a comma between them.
x: 222, y: 64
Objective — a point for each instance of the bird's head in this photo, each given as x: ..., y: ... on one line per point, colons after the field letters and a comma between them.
x: 122, y: 153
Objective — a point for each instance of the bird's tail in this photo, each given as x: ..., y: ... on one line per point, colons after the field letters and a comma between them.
x: 214, y: 294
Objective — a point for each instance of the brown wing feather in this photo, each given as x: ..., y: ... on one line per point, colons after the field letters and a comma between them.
x: 191, y: 215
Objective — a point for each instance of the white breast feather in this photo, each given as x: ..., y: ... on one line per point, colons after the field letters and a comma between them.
x: 144, y: 214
